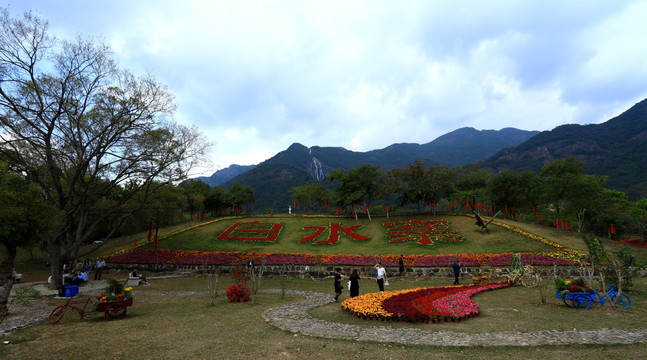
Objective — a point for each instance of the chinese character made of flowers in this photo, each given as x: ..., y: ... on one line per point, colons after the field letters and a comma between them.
x: 424, y: 231
x: 333, y: 236
x: 252, y: 231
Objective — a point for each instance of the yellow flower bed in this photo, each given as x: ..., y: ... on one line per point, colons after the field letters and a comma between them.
x: 371, y: 304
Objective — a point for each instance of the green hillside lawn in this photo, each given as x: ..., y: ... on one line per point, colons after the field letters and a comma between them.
x: 32, y: 265
x: 498, y: 240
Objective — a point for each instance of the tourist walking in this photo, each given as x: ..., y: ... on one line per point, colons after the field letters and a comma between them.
x: 98, y: 268
x: 381, y: 276
x: 338, y: 287
x: 457, y: 271
x: 354, y: 283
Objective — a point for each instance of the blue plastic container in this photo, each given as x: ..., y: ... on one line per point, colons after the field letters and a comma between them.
x: 71, y: 290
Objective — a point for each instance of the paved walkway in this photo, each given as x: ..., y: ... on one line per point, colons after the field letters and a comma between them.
x: 294, y: 318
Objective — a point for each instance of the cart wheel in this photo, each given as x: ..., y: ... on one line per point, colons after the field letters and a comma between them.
x: 115, y: 312
x: 56, y: 315
x: 568, y: 302
x: 530, y: 281
x: 582, y: 302
x: 622, y: 301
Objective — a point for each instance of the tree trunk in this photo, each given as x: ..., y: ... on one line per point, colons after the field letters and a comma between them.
x: 56, y: 263
x: 580, y: 220
x: 6, y: 274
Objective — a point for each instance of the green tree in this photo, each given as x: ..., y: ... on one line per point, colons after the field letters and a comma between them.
x: 561, y: 179
x: 358, y: 186
x: 216, y: 200
x: 471, y: 183
x: 389, y: 187
x: 532, y: 189
x: 638, y: 217
x: 25, y: 219
x: 239, y: 195
x: 196, y: 192
x: 311, y: 195
x: 163, y: 206
x: 416, y: 183
x: 507, y: 188
x: 584, y: 196
x: 90, y: 135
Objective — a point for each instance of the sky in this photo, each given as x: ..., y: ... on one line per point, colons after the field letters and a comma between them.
x: 257, y: 76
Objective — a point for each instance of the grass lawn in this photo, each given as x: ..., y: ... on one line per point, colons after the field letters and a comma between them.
x: 188, y: 327
x: 498, y: 240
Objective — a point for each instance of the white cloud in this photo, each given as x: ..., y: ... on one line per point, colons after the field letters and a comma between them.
x: 256, y: 76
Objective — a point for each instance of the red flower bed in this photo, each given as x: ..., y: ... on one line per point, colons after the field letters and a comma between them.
x: 405, y: 308
x: 445, y: 260
x: 209, y: 259
x: 290, y: 259
x: 333, y: 236
x: 143, y: 257
x: 252, y: 231
x: 356, y: 260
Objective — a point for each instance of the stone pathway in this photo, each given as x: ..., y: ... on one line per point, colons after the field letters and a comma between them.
x: 294, y: 318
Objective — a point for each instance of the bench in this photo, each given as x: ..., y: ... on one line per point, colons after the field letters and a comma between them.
x: 133, y: 281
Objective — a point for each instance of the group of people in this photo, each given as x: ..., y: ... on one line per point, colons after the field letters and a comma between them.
x: 79, y: 273
x: 380, y: 277
x: 353, y: 281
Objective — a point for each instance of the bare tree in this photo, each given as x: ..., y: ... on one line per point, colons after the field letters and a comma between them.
x: 91, y: 135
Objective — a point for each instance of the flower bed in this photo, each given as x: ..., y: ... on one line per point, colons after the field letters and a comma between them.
x: 397, y: 231
x: 333, y: 236
x: 194, y: 257
x: 420, y: 305
x: 252, y: 231
x: 161, y: 256
x: 423, y: 231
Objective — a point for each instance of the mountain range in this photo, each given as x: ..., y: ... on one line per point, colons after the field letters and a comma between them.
x: 615, y: 148
x: 298, y: 164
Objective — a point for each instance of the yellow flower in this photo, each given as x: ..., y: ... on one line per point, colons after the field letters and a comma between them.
x: 128, y: 289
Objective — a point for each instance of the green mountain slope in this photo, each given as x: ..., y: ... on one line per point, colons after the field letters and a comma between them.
x: 615, y: 148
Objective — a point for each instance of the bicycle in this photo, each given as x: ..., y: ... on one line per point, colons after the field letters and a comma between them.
x: 583, y: 300
x: 57, y: 314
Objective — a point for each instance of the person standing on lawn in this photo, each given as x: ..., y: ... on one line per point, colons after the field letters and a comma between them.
x: 354, y: 283
x: 98, y: 268
x: 456, y: 266
x: 381, y: 275
x: 338, y: 287
x: 401, y: 264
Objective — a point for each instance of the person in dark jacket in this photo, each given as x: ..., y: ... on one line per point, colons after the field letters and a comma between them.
x: 338, y: 287
x: 457, y: 271
x: 354, y: 283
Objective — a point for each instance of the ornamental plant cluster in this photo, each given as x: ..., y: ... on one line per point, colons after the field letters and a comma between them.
x: 238, y: 293
x: 114, y: 291
x: 434, y: 304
